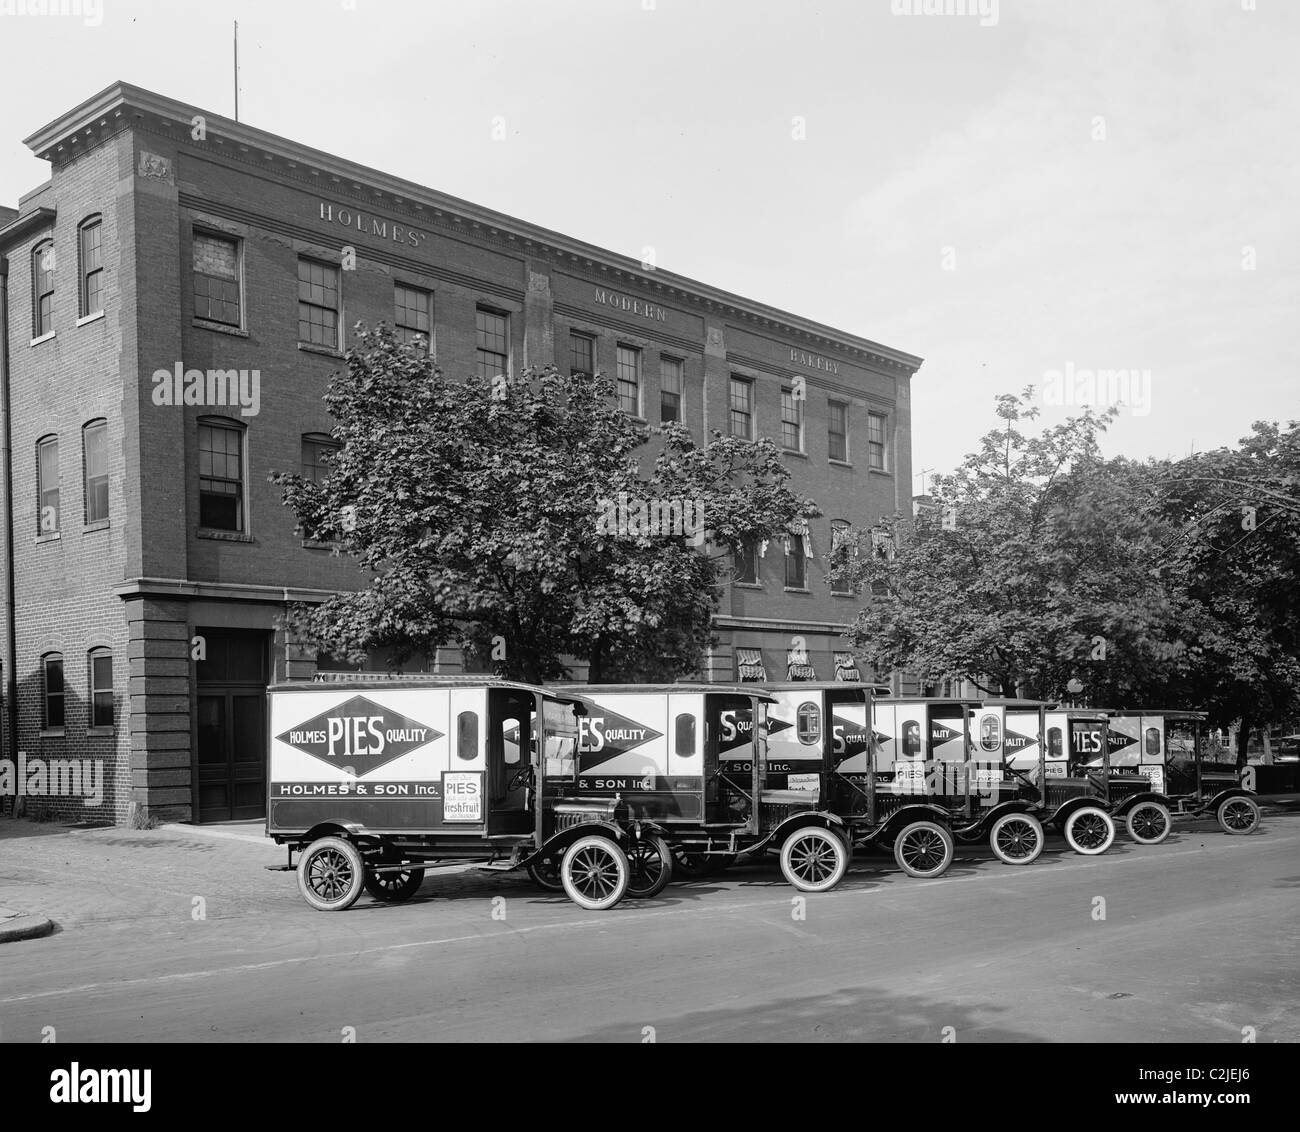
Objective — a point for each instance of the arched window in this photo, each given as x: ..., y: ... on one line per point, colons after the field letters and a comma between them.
x: 99, y: 663
x: 90, y: 266
x: 43, y: 288
x: 221, y: 474
x: 47, y: 485
x: 94, y: 451
x: 52, y: 691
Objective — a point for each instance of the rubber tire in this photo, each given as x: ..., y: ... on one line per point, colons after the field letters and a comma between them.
x: 546, y: 875
x: 393, y: 888
x: 659, y: 848
x: 819, y: 841
x: 933, y: 829
x: 1141, y: 832
x: 1235, y: 802
x: 615, y: 865
x: 1008, y: 858
x: 1072, y: 822
x: 354, y: 877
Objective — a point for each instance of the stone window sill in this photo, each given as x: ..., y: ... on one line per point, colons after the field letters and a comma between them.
x: 49, y: 536
x: 101, y: 732
x: 97, y: 525
x: 324, y: 351
x: 748, y: 585
x: 220, y: 327
x: 794, y: 452
x: 42, y: 338
x: 223, y: 536
x: 52, y: 733
x: 318, y: 544
x: 840, y: 463
x: 796, y: 589
x: 85, y: 320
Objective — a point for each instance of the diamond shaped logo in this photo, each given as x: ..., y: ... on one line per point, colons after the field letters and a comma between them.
x: 359, y: 734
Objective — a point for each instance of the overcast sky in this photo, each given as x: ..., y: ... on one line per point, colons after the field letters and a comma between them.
x: 1037, y: 188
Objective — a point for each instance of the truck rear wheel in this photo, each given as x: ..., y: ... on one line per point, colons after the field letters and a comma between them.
x: 651, y: 862
x: 545, y: 873
x: 595, y: 873
x: 393, y: 888
x: 331, y: 874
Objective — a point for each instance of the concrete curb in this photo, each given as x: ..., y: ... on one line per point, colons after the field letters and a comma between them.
x: 208, y: 831
x: 19, y: 925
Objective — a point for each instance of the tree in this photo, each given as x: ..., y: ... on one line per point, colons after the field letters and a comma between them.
x: 1030, y: 567
x: 1236, y: 554
x: 512, y: 518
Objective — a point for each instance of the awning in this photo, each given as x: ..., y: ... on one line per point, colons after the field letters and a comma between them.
x: 749, y: 665
x: 846, y: 670
x: 797, y: 666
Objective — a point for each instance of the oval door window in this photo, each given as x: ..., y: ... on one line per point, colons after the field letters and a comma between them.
x: 990, y: 733
x: 1153, y: 741
x: 809, y: 724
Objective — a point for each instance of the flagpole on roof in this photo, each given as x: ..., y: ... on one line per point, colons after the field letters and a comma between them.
x: 236, y: 70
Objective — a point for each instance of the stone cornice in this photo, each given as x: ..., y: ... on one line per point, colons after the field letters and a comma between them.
x: 189, y: 590
x: 106, y: 113
x: 24, y: 225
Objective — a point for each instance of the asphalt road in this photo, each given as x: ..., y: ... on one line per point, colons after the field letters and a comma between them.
x: 194, y: 941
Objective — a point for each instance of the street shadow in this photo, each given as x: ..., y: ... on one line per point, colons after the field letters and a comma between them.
x: 868, y: 1014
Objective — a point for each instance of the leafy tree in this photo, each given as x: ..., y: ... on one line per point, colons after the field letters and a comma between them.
x: 512, y: 518
x: 1031, y: 567
x: 1236, y: 555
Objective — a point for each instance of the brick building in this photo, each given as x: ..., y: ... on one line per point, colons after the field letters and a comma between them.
x: 169, y: 240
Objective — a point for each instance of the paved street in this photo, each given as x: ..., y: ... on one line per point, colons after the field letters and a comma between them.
x: 180, y: 934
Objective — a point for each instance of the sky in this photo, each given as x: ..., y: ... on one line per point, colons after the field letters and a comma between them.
x: 1097, y: 198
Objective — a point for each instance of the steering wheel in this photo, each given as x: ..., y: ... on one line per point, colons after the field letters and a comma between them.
x: 522, y: 777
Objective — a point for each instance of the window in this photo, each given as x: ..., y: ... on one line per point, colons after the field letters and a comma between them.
x: 216, y: 279
x: 492, y: 338
x: 628, y: 380
x: 876, y: 441
x: 794, y: 563
x: 791, y: 421
x: 837, y: 426
x: 317, y: 451
x: 582, y: 354
x: 840, y: 536
x: 670, y: 389
x: 467, y: 735
x: 92, y: 266
x: 684, y: 735
x: 101, y: 688
x: 52, y: 691
x: 221, y: 476
x: 742, y: 407
x: 318, y: 304
x: 746, y: 564
x: 43, y: 289
x: 413, y: 316
x: 47, y: 485
x: 808, y: 723
x: 94, y: 443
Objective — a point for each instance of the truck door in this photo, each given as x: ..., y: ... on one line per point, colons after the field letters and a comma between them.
x: 511, y: 752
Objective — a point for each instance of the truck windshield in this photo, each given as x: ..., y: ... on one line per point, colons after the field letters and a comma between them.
x: 559, y: 738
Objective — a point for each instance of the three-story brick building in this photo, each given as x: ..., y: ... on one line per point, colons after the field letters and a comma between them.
x: 176, y: 298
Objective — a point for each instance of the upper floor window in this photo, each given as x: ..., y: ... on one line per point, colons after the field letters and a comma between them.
x: 670, y: 389
x: 318, y: 303
x: 628, y: 380
x: 841, y: 535
x: 837, y: 429
x: 876, y: 432
x: 795, y: 567
x: 47, y: 485
x: 791, y: 421
x: 492, y: 343
x: 43, y: 289
x: 582, y: 354
x: 94, y: 443
x: 317, y: 452
x: 52, y: 692
x: 745, y: 564
x: 742, y: 407
x: 221, y: 475
x: 216, y: 279
x: 90, y: 235
x: 101, y: 687
x: 413, y: 316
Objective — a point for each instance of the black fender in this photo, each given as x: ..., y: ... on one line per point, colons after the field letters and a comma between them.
x: 1231, y: 792
x: 904, y: 817
x: 559, y: 842
x: 353, y: 831
x: 981, y: 825
x: 1128, y: 804
x: 1068, y: 807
